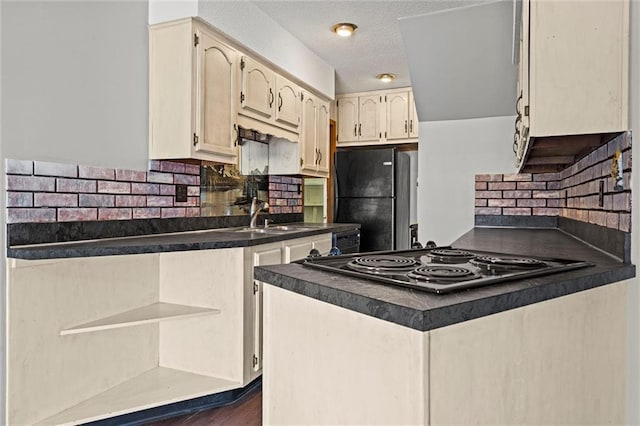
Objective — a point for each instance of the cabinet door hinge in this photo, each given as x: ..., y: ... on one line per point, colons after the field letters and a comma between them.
x: 385, y: 135
x: 196, y: 40
x: 255, y: 360
x: 195, y: 139
x: 241, y: 97
x: 301, y: 161
x: 526, y: 111
x: 256, y: 287
x: 242, y: 63
x: 380, y: 135
x: 380, y: 98
x: 301, y: 96
x: 385, y: 98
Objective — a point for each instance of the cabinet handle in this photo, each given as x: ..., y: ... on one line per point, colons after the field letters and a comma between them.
x: 319, y: 157
x: 360, y: 129
x: 279, y: 102
x: 355, y: 130
x: 411, y: 126
x: 406, y: 126
x: 271, y: 98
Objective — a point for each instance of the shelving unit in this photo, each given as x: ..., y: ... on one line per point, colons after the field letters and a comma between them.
x: 152, y: 313
x: 152, y: 388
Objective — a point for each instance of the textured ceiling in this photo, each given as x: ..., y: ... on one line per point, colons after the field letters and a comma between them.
x: 376, y: 47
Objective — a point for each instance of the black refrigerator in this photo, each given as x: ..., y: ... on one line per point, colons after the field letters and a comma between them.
x: 373, y: 189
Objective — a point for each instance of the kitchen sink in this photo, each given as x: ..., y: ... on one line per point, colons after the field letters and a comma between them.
x: 276, y: 229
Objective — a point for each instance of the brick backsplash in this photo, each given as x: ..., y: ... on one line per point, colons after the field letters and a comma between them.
x: 51, y: 192
x: 572, y: 193
x: 285, y: 194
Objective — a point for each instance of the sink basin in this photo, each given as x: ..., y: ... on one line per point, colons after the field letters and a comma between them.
x: 274, y: 229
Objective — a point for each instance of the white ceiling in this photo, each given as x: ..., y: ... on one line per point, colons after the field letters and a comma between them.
x: 376, y: 46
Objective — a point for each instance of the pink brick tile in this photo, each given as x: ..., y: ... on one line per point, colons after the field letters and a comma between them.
x: 275, y: 179
x: 42, y: 168
x: 293, y: 188
x: 494, y: 211
x: 193, y: 211
x: 531, y: 185
x: 18, y: 167
x: 96, y: 200
x: 509, y: 186
x: 145, y: 188
x: 297, y: 209
x: 114, y: 214
x: 598, y: 217
x: 292, y: 202
x: 193, y: 191
x: 488, y: 194
x: 518, y: 211
x: 76, y: 185
x: 625, y: 222
x: 171, y: 167
x: 106, y: 187
x: 173, y: 212
x: 131, y: 201
x: 90, y: 172
x: 191, y: 202
x: 545, y: 211
x: 131, y: 175
x: 192, y: 169
x: 275, y: 209
x: 275, y: 194
x: 502, y: 203
x: 146, y: 213
x: 516, y: 194
x: 532, y: 202
x: 155, y: 165
x: 185, y: 179
x: 481, y: 186
x: 168, y: 190
x: 546, y: 177
x: 521, y: 177
x: 26, y: 215
x: 30, y: 183
x: 19, y: 199
x: 79, y: 214
x: 489, y: 178
x: 613, y: 220
x: 481, y: 202
x: 552, y: 202
x: 622, y: 201
x: 157, y: 177
x: 159, y: 201
x: 546, y: 194
x: 554, y: 184
x: 287, y: 209
x: 43, y: 199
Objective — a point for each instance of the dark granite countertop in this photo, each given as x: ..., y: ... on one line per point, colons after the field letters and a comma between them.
x: 426, y: 311
x: 175, y: 241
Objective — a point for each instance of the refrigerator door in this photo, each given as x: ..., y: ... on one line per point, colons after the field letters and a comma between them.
x: 403, y: 196
x: 376, y: 218
x: 365, y: 173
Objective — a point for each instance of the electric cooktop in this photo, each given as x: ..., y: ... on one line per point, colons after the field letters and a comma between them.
x: 441, y: 269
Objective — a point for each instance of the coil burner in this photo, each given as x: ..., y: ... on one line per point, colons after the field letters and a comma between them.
x: 499, y: 264
x: 442, y: 274
x: 383, y: 264
x: 450, y: 256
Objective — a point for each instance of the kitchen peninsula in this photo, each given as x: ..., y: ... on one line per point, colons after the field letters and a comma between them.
x: 543, y: 350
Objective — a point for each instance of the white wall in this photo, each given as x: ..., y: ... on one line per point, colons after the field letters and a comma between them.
x: 450, y: 154
x: 250, y: 26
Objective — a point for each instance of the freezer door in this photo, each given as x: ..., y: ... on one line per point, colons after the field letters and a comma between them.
x: 365, y: 173
x: 376, y: 218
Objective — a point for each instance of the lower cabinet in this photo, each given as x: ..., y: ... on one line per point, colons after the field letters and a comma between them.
x: 92, y: 338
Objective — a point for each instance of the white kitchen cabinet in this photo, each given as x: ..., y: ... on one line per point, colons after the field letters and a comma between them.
x: 185, y: 324
x: 257, y: 96
x: 573, y: 80
x: 378, y: 117
x: 288, y: 103
x: 314, y: 138
x: 192, y: 93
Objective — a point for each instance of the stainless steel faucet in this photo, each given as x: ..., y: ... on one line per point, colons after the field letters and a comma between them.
x: 256, y: 206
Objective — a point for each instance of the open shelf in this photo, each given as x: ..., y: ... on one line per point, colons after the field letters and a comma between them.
x: 155, y: 312
x: 152, y: 388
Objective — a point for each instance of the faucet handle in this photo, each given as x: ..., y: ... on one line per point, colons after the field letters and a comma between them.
x: 267, y: 222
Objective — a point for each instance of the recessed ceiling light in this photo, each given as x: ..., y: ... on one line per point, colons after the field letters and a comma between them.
x: 344, y: 29
x: 386, y: 77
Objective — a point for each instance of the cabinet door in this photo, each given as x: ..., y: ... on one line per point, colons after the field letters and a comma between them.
x: 397, y: 115
x: 414, y: 122
x: 309, y: 155
x: 216, y: 79
x: 369, y: 118
x: 272, y: 256
x: 322, y: 138
x: 297, y: 250
x: 323, y: 245
x: 258, y: 94
x: 288, y: 103
x: 348, y: 119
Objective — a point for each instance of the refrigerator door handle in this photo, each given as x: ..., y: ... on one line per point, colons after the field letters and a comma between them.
x: 335, y: 187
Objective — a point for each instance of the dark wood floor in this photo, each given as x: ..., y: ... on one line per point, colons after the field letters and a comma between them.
x: 245, y: 412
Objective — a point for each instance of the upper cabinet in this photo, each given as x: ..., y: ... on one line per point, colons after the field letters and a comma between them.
x: 314, y: 138
x: 380, y: 117
x: 192, y: 87
x: 573, y: 80
x: 258, y: 84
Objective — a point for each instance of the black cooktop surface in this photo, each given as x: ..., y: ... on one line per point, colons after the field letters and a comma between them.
x: 442, y: 269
